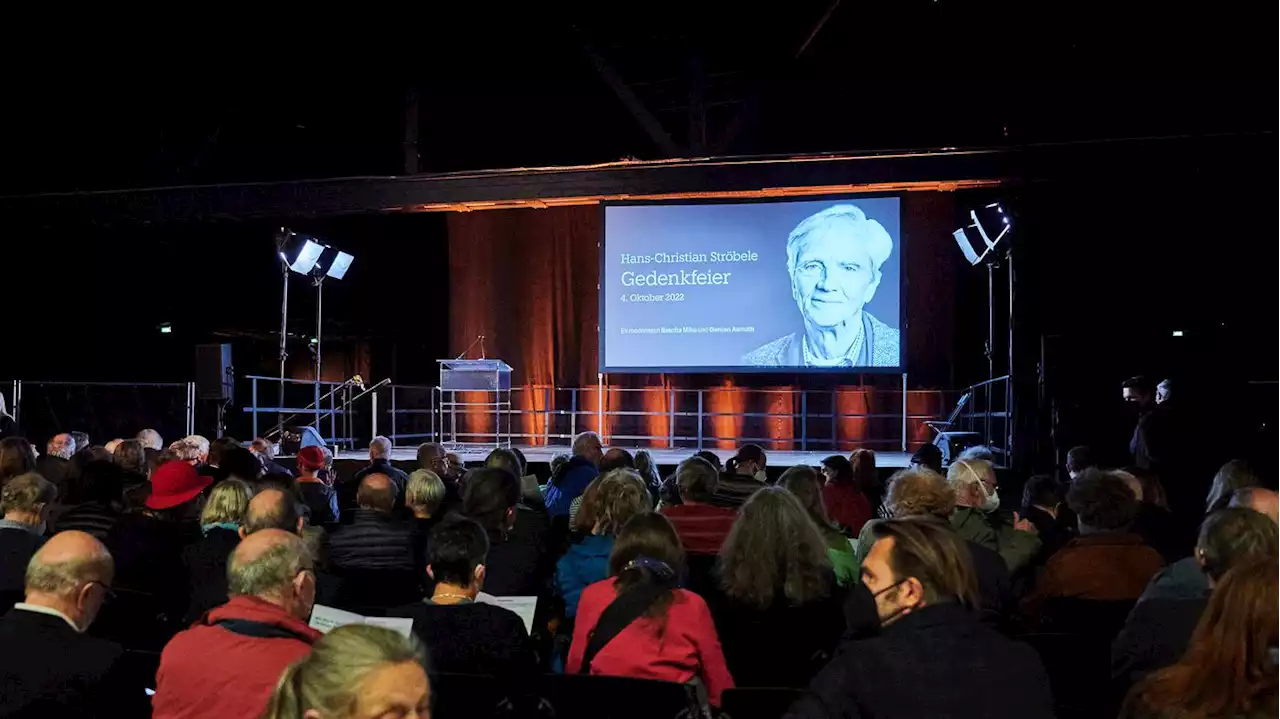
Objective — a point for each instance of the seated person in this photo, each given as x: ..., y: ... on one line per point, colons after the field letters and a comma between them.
x: 977, y: 517
x: 777, y: 607
x: 803, y: 482
x: 618, y: 496
x: 319, y: 496
x: 465, y: 636
x: 702, y: 526
x: 1106, y: 562
x: 25, y: 502
x: 1158, y: 630
x: 376, y: 538
x: 668, y: 635
x: 518, y: 563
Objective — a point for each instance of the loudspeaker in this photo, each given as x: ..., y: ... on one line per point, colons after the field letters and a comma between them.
x: 215, y: 377
x: 953, y: 443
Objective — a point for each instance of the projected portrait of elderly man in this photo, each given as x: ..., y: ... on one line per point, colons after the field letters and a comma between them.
x: 834, y: 258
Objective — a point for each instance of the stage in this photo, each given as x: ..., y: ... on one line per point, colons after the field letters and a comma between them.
x: 664, y: 457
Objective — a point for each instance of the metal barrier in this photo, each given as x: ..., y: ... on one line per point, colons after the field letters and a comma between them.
x: 835, y: 419
x: 346, y: 424
x: 104, y: 410
x: 990, y: 413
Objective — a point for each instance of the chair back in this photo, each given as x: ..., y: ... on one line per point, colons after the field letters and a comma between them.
x: 757, y: 702
x: 576, y: 696
x: 470, y: 695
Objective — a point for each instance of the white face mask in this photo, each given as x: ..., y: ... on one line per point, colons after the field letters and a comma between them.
x: 760, y: 476
x: 992, y: 501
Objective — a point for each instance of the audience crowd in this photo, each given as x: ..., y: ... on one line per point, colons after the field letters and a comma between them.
x: 183, y: 580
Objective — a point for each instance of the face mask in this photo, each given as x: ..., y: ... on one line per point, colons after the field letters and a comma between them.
x: 891, y: 617
x: 992, y: 501
x: 860, y: 616
x: 760, y: 476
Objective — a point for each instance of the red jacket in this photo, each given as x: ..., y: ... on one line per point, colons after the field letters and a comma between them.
x: 210, y: 671
x: 702, y: 527
x: 677, y: 648
x: 846, y: 506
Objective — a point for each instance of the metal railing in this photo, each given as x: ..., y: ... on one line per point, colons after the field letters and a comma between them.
x: 102, y: 409
x: 335, y: 401
x: 989, y: 412
x: 835, y: 419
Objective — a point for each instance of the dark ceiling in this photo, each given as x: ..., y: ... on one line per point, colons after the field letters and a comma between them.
x: 230, y: 99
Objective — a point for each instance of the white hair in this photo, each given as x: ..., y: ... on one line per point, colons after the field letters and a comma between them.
x: 966, y: 472
x: 380, y: 447
x: 150, y: 439
x: 198, y: 441
x: 584, y: 441
x: 852, y: 219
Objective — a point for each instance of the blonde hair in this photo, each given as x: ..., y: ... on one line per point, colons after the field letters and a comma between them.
x: 328, y: 678
x: 620, y: 495
x: 228, y: 502
x: 425, y: 489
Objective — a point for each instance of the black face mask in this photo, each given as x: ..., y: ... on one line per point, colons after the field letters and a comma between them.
x: 861, y: 617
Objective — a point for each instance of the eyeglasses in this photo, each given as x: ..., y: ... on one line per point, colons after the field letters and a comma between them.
x: 108, y: 593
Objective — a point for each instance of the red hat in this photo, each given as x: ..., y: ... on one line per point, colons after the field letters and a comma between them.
x: 311, y: 458
x: 174, y: 483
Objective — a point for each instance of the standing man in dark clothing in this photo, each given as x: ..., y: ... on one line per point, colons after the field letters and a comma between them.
x: 1153, y: 435
x: 932, y: 656
x: 380, y: 463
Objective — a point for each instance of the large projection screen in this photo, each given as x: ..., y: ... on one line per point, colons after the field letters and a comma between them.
x: 812, y: 285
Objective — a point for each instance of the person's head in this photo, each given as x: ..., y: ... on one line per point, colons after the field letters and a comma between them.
x: 263, y: 447
x: 98, y: 480
x: 355, y: 672
x: 647, y: 468
x: 431, y: 457
x: 1232, y: 536
x: 272, y: 509
x: 1231, y: 477
x: 28, y: 498
x: 192, y: 449
x: 1138, y: 390
x: 1042, y: 491
x: 376, y: 492
x: 977, y: 451
x: 557, y: 462
x: 228, y: 503
x: 505, y: 458
x: 81, y: 438
x: 218, y: 449
x: 309, y: 460
x: 453, y: 466
x: 620, y: 495
x: 1131, y: 481
x: 916, y: 562
x: 774, y: 547
x: 379, y: 448
x: 696, y: 479
x: 17, y: 456
x: 647, y: 550
x: 72, y: 573
x: 240, y: 463
x: 974, y: 482
x: 1102, y: 501
x: 112, y: 444
x: 456, y: 552
x: 834, y: 259
x: 919, y: 492
x: 1229, y: 668
x: 1262, y: 501
x: 490, y: 497
x: 588, y: 446
x: 616, y: 458
x: 176, y: 488
x: 1150, y: 488
x: 1164, y: 391
x: 863, y: 463
x: 929, y: 457
x: 61, y: 445
x: 424, y: 493
x: 836, y: 470
x: 130, y: 456
x: 711, y: 457
x: 805, y: 483
x: 750, y: 461
x: 150, y: 439
x: 275, y: 566
x: 1079, y: 459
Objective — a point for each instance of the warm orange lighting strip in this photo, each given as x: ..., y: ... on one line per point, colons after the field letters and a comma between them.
x: 544, y: 203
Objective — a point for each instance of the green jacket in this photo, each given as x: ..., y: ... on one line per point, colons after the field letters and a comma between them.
x: 994, y: 531
x: 862, y: 546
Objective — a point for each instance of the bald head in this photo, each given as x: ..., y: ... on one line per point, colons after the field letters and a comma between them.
x: 1263, y: 501
x: 271, y: 509
x: 71, y: 574
x: 269, y: 564
x: 377, y: 491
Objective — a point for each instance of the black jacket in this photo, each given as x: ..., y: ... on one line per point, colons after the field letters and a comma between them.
x: 373, y: 540
x: 16, y: 547
x: 472, y: 638
x: 322, y: 500
x: 938, y: 662
x: 206, y: 565
x: 94, y: 518
x: 48, y: 669
x: 519, y: 562
x: 1155, y: 636
x: 382, y: 466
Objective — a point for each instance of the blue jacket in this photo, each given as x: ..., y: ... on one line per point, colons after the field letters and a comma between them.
x: 586, y: 563
x: 569, y: 484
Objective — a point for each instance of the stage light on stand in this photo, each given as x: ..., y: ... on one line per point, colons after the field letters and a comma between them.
x: 299, y: 252
x: 979, y: 237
